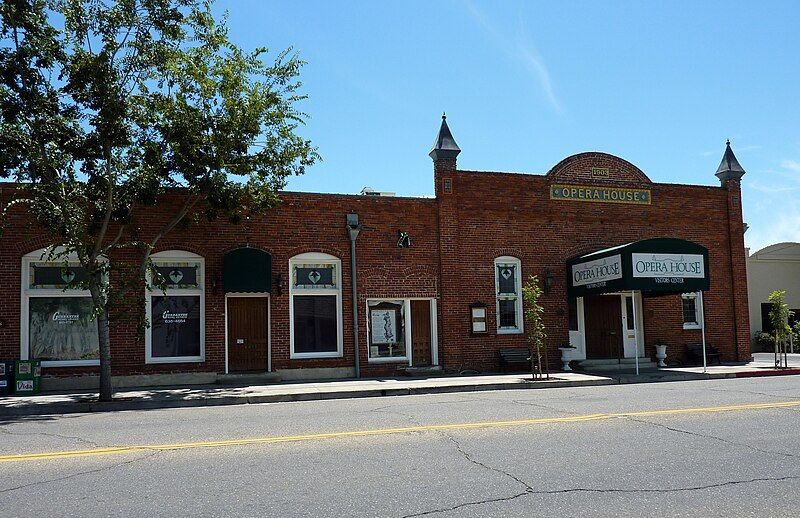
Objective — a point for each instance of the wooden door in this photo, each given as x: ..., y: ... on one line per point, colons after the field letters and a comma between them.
x: 248, y: 331
x: 421, y: 332
x: 603, y: 318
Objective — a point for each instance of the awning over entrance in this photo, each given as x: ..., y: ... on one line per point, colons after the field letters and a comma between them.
x: 247, y: 270
x: 659, y: 266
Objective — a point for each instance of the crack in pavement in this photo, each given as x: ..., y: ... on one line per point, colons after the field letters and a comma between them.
x: 471, y: 459
x: 714, y: 437
x: 755, y: 393
x: 58, y: 436
x: 545, y: 407
x: 605, y: 490
x: 80, y: 473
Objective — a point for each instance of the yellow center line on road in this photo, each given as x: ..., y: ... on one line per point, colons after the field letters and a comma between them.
x: 116, y: 450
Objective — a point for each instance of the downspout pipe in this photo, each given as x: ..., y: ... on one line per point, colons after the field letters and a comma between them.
x: 353, y: 228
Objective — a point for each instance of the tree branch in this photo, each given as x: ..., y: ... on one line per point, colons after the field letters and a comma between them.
x: 188, y: 204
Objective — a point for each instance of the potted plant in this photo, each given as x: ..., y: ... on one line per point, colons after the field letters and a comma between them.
x: 661, y: 352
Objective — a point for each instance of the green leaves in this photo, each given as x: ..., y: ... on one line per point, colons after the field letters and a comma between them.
x: 779, y: 314
x: 105, y: 105
x: 531, y: 292
x: 108, y: 107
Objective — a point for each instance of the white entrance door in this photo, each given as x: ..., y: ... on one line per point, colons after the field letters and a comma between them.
x: 628, y: 332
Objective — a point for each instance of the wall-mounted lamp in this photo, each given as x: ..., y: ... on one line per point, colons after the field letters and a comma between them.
x: 280, y: 284
x: 548, y: 280
x: 478, y: 317
x: 403, y: 239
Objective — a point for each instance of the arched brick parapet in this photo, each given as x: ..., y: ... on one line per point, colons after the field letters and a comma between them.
x: 579, y: 168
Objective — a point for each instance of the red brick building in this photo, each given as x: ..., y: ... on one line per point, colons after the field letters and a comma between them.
x: 438, y: 280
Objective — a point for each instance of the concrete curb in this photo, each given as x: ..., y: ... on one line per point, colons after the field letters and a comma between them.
x: 193, y: 401
x: 758, y: 374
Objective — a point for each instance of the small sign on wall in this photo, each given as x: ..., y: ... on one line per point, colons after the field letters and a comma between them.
x: 478, y: 319
x: 600, y: 172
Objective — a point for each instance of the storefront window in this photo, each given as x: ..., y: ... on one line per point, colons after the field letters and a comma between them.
x: 175, y: 326
x: 387, y: 329
x: 509, y: 299
x: 314, y: 323
x: 58, y: 322
x: 176, y: 312
x: 316, y: 306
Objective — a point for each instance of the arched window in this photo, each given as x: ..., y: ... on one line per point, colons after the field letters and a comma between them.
x: 56, y: 324
x: 176, y: 309
x: 315, y: 307
x: 508, y: 284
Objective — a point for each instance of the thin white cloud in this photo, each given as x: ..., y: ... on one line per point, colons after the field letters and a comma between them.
x: 530, y: 56
x: 791, y: 165
x: 777, y: 206
x: 784, y: 225
x: 520, y: 47
x: 758, y: 186
x: 745, y: 149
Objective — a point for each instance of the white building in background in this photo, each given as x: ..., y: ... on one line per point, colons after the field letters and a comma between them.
x: 775, y: 267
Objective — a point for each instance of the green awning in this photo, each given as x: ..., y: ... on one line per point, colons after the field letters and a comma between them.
x: 659, y: 266
x: 247, y: 270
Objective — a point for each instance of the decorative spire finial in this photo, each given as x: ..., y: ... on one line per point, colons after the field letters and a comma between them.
x: 729, y: 168
x: 445, y: 146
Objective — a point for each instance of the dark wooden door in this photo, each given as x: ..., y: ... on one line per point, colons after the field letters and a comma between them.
x: 248, y: 331
x: 421, y: 333
x: 603, y: 319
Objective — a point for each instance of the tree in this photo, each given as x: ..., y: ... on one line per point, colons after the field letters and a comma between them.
x: 534, y: 325
x: 105, y: 106
x: 779, y: 315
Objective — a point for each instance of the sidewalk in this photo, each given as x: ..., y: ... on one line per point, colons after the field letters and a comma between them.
x: 214, y: 395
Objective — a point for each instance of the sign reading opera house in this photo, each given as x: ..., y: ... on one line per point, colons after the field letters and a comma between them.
x: 438, y: 281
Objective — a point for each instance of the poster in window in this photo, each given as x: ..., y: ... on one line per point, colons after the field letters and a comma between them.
x: 175, y: 322
x: 384, y: 326
x: 62, y: 328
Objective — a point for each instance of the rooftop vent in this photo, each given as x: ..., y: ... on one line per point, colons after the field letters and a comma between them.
x: 369, y: 191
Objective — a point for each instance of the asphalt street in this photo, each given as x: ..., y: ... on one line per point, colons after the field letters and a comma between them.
x: 701, y: 448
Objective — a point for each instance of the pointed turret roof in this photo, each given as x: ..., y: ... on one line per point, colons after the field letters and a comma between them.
x: 729, y: 168
x: 445, y: 145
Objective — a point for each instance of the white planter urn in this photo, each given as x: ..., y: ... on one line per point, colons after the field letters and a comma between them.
x: 661, y: 354
x: 565, y: 357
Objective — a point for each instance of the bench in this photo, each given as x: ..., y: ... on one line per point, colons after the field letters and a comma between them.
x: 694, y: 352
x: 515, y: 355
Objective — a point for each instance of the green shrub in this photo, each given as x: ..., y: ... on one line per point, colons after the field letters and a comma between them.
x: 765, y: 341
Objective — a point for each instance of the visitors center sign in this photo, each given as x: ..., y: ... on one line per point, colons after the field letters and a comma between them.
x: 652, y: 266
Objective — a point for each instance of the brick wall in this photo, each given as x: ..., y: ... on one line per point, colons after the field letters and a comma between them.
x: 455, y: 239
x: 492, y: 214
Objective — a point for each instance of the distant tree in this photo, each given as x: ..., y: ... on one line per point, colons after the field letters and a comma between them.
x: 106, y: 105
x: 534, y: 326
x: 779, y: 315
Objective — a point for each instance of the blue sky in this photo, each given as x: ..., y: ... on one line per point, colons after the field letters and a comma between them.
x: 525, y: 84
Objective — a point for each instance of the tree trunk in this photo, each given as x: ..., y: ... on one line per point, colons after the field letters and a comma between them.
x: 106, y: 393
